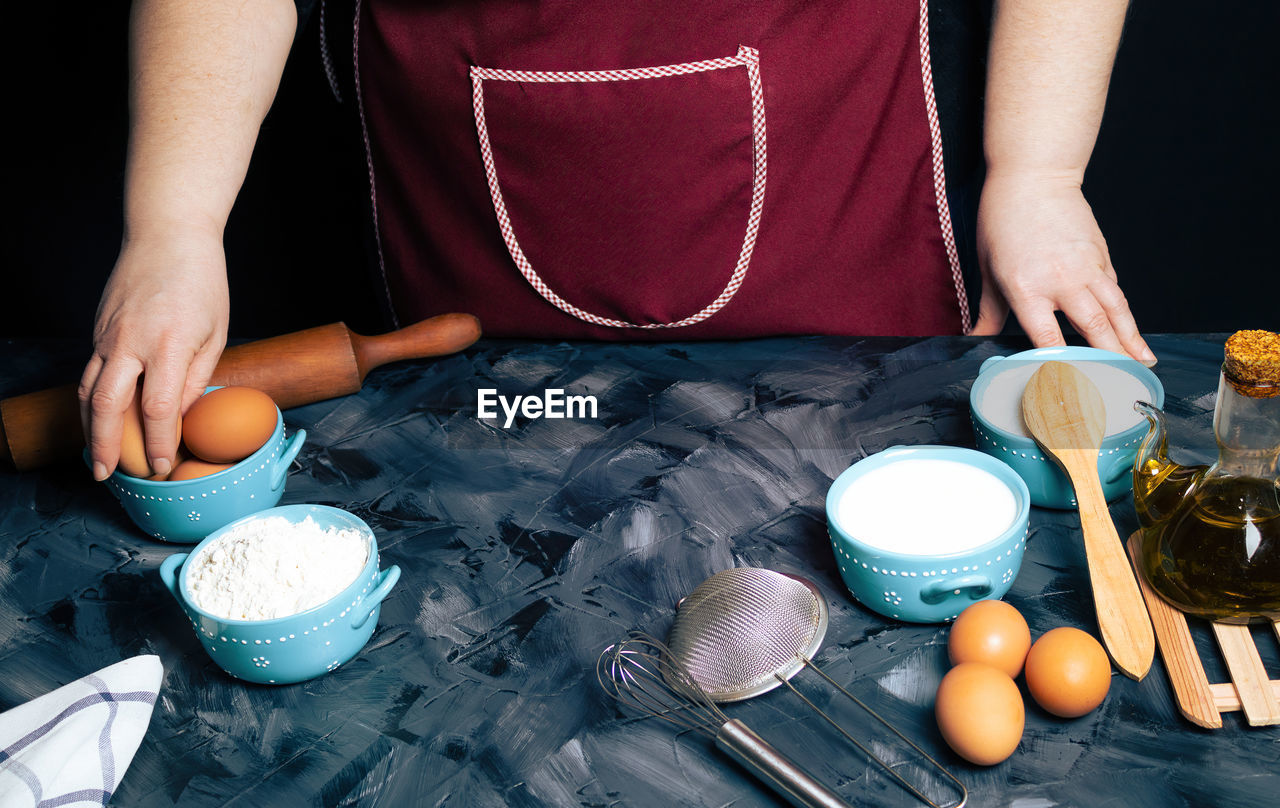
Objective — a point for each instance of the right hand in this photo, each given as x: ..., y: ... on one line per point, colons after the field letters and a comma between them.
x: 162, y: 319
x: 1041, y: 251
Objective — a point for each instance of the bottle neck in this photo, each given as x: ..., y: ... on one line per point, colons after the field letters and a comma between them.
x: 1246, y: 422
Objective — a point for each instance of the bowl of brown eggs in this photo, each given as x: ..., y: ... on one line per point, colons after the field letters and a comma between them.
x: 233, y: 461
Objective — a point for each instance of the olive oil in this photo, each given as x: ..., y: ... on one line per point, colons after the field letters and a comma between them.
x: 1218, y: 555
x: 1211, y: 534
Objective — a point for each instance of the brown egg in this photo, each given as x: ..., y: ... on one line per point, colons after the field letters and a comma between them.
x: 229, y: 424
x: 133, y: 450
x: 195, y: 467
x: 1068, y: 673
x: 179, y: 457
x: 993, y: 632
x: 980, y: 713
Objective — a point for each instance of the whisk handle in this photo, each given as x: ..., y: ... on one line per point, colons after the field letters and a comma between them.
x: 775, y: 770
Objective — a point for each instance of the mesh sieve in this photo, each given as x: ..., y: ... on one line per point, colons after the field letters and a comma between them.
x: 744, y: 631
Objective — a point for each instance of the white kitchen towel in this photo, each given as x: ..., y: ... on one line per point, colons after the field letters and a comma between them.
x: 71, y: 747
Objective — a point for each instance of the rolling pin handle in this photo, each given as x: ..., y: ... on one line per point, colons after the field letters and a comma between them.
x: 435, y: 336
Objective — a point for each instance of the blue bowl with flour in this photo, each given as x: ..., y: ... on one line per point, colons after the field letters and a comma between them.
x: 917, y: 579
x: 1048, y: 483
x: 300, y: 646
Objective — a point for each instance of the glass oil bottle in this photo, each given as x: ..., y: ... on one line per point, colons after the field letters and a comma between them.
x: 1211, y: 534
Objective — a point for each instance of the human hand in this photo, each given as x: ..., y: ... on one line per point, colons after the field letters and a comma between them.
x: 162, y: 320
x: 1040, y: 251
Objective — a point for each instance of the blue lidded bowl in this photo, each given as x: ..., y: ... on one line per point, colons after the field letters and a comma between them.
x: 185, y: 511
x: 301, y: 646
x: 1048, y: 483
x: 930, y: 588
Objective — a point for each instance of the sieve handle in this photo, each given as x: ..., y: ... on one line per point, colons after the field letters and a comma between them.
x: 772, y: 768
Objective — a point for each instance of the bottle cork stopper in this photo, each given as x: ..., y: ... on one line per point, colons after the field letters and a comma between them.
x: 1253, y: 363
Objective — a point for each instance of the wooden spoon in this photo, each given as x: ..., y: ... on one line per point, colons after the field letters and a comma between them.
x: 1064, y: 411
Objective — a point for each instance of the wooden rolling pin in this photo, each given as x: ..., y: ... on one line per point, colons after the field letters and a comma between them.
x: 328, y: 361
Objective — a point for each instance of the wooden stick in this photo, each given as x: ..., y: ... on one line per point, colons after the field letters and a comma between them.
x: 1255, y: 690
x: 1228, y: 700
x: 1197, y: 699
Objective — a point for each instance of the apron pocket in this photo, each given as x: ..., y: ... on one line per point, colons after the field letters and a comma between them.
x: 628, y: 198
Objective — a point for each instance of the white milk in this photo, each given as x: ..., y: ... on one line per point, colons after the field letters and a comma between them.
x: 926, y: 507
x: 1001, y: 402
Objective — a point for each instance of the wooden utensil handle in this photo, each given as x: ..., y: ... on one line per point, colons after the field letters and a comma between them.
x: 294, y: 369
x: 440, y: 335
x: 1131, y: 641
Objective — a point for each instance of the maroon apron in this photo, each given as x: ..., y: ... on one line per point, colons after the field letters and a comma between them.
x: 659, y: 170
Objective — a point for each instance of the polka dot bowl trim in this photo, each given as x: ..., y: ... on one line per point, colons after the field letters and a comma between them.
x: 301, y: 646
x: 924, y: 588
x: 187, y: 511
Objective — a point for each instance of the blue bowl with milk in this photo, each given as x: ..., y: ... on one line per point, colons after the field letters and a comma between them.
x: 995, y: 405
x: 921, y: 532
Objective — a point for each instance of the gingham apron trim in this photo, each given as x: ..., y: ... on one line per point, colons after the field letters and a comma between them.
x: 746, y: 57
x: 387, y: 299
x: 940, y: 172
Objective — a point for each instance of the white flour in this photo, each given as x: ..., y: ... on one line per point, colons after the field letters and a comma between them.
x: 926, y: 507
x: 272, y: 567
x: 1001, y: 402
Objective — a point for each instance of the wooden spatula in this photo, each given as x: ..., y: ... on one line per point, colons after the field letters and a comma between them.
x: 1065, y: 413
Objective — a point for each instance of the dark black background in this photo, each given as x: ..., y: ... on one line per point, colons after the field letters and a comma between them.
x: 1183, y: 179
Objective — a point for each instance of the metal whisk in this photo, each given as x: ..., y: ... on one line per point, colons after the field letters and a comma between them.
x: 641, y: 672
x: 741, y: 633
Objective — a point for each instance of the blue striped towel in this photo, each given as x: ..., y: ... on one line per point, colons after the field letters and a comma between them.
x: 71, y: 747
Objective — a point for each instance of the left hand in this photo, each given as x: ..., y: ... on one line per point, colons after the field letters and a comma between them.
x: 1041, y: 251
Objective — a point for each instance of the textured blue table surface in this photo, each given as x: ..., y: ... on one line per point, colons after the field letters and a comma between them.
x: 527, y: 550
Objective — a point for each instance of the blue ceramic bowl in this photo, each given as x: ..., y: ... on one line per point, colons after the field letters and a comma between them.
x: 1049, y: 485
x: 928, y: 588
x: 301, y: 646
x: 186, y: 511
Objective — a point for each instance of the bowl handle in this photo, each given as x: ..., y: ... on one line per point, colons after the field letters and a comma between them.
x: 169, y: 572
x: 387, y: 580
x: 291, y: 449
x: 938, y: 591
x: 1121, y: 466
x: 988, y: 362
